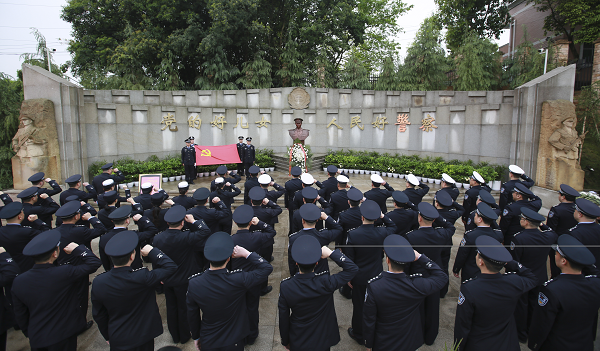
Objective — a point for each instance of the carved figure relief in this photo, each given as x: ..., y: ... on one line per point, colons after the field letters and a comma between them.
x: 299, y: 99
x: 565, y: 139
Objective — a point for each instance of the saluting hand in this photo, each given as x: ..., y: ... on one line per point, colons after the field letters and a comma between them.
x: 43, y: 196
x: 115, y: 170
x: 239, y: 251
x: 189, y: 218
x: 146, y: 250
x: 170, y: 202
x: 325, y: 252
x: 2, y: 250
x: 47, y: 180
x: 69, y: 248
x: 131, y: 200
x: 82, y: 203
x: 323, y: 216
x: 32, y: 218
x: 86, y: 184
x: 254, y: 221
x: 265, y: 201
x: 137, y: 217
x: 86, y: 216
x: 417, y: 255
x: 216, y: 200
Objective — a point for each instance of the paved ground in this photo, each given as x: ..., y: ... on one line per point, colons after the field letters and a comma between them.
x: 269, y: 331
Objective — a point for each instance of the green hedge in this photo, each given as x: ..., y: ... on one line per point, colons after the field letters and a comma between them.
x: 427, y: 167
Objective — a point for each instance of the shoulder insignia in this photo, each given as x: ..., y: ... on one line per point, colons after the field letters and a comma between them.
x: 497, y: 230
x: 463, y: 242
x: 505, y: 212
x: 510, y: 273
x: 374, y: 278
x: 469, y: 221
x: 294, y: 233
x: 79, y: 225
x: 349, y: 230
x: 502, y: 190
x: 409, y: 232
x: 573, y: 228
x: 542, y: 299
x: 548, y: 282
x: 9, y: 259
x: 468, y: 231
x: 466, y: 196
x: 26, y: 226
x: 416, y: 275
x: 135, y: 270
x: 235, y: 271
x: 461, y: 298
x: 591, y: 276
x: 64, y: 264
x: 550, y: 214
x: 321, y: 273
x: 195, y: 275
x: 512, y: 245
x: 516, y: 234
x: 288, y: 278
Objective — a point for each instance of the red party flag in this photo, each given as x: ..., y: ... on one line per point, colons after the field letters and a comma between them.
x: 216, y: 155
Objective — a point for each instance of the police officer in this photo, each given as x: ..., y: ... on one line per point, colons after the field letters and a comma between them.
x: 251, y: 181
x: 310, y: 196
x: 180, y: 246
x: 226, y: 192
x: 560, y: 218
x: 45, y: 298
x: 486, y: 304
x: 157, y: 213
x: 144, y: 197
x: 350, y: 218
x: 307, y: 181
x: 404, y: 214
x: 329, y: 186
x: 184, y: 200
x: 449, y: 185
x: 188, y: 160
x: 309, y: 297
x: 265, y: 181
x: 486, y: 197
x: 111, y: 198
x: 530, y: 247
x: 451, y: 211
x: 566, y: 312
x: 429, y: 240
x: 339, y: 199
x: 38, y: 181
x: 223, y: 172
x: 8, y: 271
x: 249, y: 155
x: 83, y: 209
x: 377, y: 194
x: 464, y: 263
x: 310, y: 215
x: 107, y: 171
x: 364, y: 249
x: 241, y: 152
x: 221, y: 295
x: 109, y: 185
x: 415, y: 195
x: 74, y: 182
x: 252, y: 241
x: 267, y: 211
x: 394, y: 296
x: 193, y: 145
x: 587, y: 229
x: 470, y: 202
x: 211, y: 216
x: 291, y: 186
x: 511, y: 216
x: 123, y: 299
x: 517, y: 176
x: 39, y: 204
x: 121, y: 219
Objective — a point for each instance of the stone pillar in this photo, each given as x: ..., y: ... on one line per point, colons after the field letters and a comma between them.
x: 562, y: 51
x: 596, y: 64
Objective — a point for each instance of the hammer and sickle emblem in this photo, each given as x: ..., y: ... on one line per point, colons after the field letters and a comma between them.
x: 205, y: 153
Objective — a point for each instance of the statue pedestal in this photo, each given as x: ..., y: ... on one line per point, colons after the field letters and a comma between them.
x: 557, y: 171
x: 23, y: 170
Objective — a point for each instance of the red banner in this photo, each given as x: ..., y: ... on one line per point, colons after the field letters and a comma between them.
x: 216, y: 155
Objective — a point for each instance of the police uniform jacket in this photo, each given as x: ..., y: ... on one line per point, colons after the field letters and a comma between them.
x: 146, y: 230
x: 465, y: 256
x: 406, y: 220
x: 451, y: 214
x: 249, y: 153
x: 143, y: 199
x: 185, y: 201
x: 6, y: 199
x: 43, y: 211
x: 364, y: 249
x: 45, y: 299
x: 588, y: 234
x: 380, y: 196
x: 470, y: 201
x: 486, y: 306
x: 297, y: 223
x: 241, y: 151
x: 426, y: 240
x: 566, y: 315
x: 348, y: 219
x: 79, y: 234
x: 535, y: 253
x: 87, y: 208
x: 329, y: 186
x: 226, y: 195
x: 324, y: 236
x: 416, y: 195
x: 8, y: 271
x: 453, y: 191
x: 103, y: 204
x: 299, y: 201
x: 394, y: 299
x: 82, y: 195
x: 507, y: 188
x: 159, y: 221
x: 118, y: 177
x: 181, y: 246
x: 560, y: 218
x: 266, y: 213
x: 56, y: 189
x: 252, y: 241
x: 511, y: 216
x: 14, y: 238
x: 471, y: 221
x: 103, y: 217
x: 236, y: 178
x: 250, y: 183
x: 124, y: 302
x: 339, y: 202
x: 312, y: 325
x: 211, y: 216
x: 188, y: 155
x: 291, y: 186
x: 221, y: 295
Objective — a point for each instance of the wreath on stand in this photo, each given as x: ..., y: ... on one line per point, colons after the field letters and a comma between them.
x: 299, y: 155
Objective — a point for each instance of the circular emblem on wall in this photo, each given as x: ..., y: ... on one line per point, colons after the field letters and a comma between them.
x: 299, y: 99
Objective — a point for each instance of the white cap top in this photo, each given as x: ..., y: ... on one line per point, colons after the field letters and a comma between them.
x: 183, y: 185
x: 376, y: 178
x: 516, y: 169
x: 412, y: 179
x: 108, y: 182
x: 264, y: 179
x: 478, y: 177
x: 307, y: 179
x: 146, y: 185
x: 342, y: 179
x: 219, y: 180
x: 446, y: 178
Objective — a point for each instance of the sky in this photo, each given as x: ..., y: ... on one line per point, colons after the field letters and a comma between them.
x: 18, y: 16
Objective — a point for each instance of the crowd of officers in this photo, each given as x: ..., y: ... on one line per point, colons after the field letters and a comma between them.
x: 213, y: 279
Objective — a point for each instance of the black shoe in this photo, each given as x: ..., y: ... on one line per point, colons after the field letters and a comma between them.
x: 356, y: 338
x: 523, y: 340
x: 266, y: 290
x: 250, y: 341
x: 272, y: 259
x: 160, y: 290
x: 87, y: 326
x: 346, y: 293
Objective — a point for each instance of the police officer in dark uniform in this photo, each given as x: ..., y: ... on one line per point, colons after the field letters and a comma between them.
x: 265, y: 181
x: 486, y: 197
x: 394, y: 296
x: 517, y: 176
x: 560, y: 218
x: 267, y: 211
x: 470, y: 202
x: 38, y: 181
x: 211, y: 216
x: 404, y: 214
x: 111, y: 199
x: 240, y: 149
x: 451, y: 211
x: 193, y: 145
x: 329, y: 186
x: 511, y: 216
x: 226, y: 192
x: 107, y: 171
x: 249, y: 155
x: 310, y: 215
x: 307, y: 181
x: 377, y: 194
x: 45, y: 298
x: 530, y: 247
x: 566, y: 313
x: 364, y: 249
x: 349, y: 219
x: 223, y: 172
x: 184, y: 200
x: 109, y: 185
x: 308, y: 296
x: 123, y: 299
x: 449, y: 185
x: 251, y: 181
x: 6, y: 199
x: 144, y: 197
x: 120, y: 218
x: 188, y: 160
x: 8, y: 272
x: 221, y: 295
x: 309, y: 196
x: 587, y: 229
x: 83, y: 209
x: 180, y: 246
x: 38, y: 204
x: 464, y: 263
x: 486, y: 304
x: 291, y: 186
x: 415, y: 195
x: 429, y: 240
x: 252, y: 241
x: 339, y: 199
x: 74, y: 182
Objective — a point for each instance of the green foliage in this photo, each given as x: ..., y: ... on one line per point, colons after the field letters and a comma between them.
x: 588, y: 110
x: 256, y: 74
x: 292, y: 69
x: 40, y: 57
x: 264, y: 158
x: 11, y: 97
x: 218, y: 74
x: 425, y: 65
x: 388, y: 80
x: 355, y: 75
x: 487, y: 18
x: 478, y: 65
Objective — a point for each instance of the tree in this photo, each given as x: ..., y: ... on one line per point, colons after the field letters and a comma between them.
x: 42, y: 55
x: 355, y: 75
x: 388, y: 80
x: 256, y: 74
x: 292, y: 69
x: 11, y: 97
x: 478, y: 65
x: 578, y: 20
x: 425, y: 65
x: 487, y: 18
